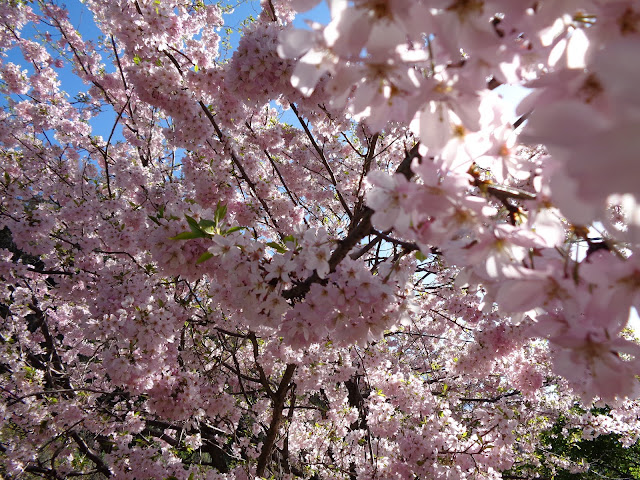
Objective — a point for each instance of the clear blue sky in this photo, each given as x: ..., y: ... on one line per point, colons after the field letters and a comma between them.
x: 82, y: 19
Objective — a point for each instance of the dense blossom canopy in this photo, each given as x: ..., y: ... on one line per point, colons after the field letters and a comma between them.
x: 332, y: 254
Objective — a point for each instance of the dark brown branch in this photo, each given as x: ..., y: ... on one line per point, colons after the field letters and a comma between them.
x: 274, y: 165
x: 84, y: 448
x: 410, y: 246
x: 105, y: 152
x: 104, y: 252
x: 41, y: 471
x: 366, y: 166
x: 491, y: 400
x: 54, y: 392
x: 276, y: 419
x: 296, y: 201
x: 521, y: 120
x: 76, y: 54
x: 263, y: 376
x: 229, y: 150
x: 366, y: 248
x: 240, y: 375
x: 285, y: 443
x: 273, y: 15
x: 231, y: 334
x: 323, y: 160
x: 49, y: 272
x: 115, y: 53
x: 56, y: 376
x: 361, y: 230
x: 174, y: 61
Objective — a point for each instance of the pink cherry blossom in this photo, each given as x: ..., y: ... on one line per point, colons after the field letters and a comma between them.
x: 321, y: 251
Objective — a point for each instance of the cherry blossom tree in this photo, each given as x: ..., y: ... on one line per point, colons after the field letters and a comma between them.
x: 331, y: 254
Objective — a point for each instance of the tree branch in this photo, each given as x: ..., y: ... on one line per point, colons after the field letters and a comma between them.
x: 276, y: 419
x: 323, y: 159
x: 84, y: 448
x: 361, y: 230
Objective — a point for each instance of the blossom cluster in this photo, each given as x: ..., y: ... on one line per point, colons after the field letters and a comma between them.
x: 331, y: 255
x: 500, y: 217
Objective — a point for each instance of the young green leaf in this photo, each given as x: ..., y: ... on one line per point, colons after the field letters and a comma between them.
x: 204, y: 257
x: 233, y: 229
x: 193, y: 224
x: 276, y: 246
x: 188, y: 235
x: 220, y: 213
x: 209, y: 226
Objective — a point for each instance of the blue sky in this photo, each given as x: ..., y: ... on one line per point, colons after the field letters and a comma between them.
x: 82, y: 19
x: 240, y: 10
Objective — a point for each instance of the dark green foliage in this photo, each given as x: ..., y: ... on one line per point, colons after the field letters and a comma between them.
x: 605, y: 456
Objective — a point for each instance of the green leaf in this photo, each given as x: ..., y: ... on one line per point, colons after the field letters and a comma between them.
x: 188, y: 236
x: 277, y: 247
x: 220, y: 213
x: 136, y: 59
x: 193, y: 225
x: 204, y: 257
x: 209, y: 226
x: 154, y: 219
x: 420, y: 256
x: 195, y: 68
x: 234, y: 229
